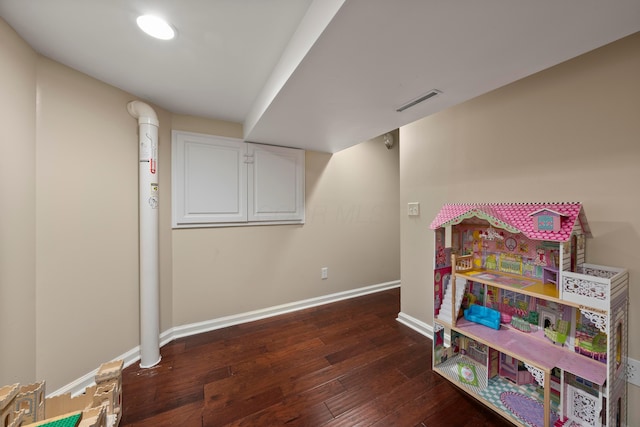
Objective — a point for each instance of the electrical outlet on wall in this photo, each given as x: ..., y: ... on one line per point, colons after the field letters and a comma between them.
x: 324, y: 273
x: 633, y: 371
x: 413, y: 208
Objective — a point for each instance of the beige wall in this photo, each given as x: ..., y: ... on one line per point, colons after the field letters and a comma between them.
x: 569, y: 133
x: 17, y: 208
x: 69, y: 245
x: 69, y: 226
x: 352, y: 227
x: 86, y: 232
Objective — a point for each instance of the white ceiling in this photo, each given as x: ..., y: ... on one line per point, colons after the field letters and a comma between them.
x: 317, y: 74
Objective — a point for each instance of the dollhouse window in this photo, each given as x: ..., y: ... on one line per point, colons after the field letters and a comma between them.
x: 618, y: 412
x: 515, y: 299
x: 545, y: 222
x: 618, y: 345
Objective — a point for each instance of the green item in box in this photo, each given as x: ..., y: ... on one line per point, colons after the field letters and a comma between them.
x: 467, y: 373
x: 70, y: 421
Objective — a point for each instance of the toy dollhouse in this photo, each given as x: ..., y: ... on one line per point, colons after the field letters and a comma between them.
x: 558, y: 355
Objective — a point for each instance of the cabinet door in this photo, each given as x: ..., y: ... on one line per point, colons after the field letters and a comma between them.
x: 276, y: 183
x: 210, y: 179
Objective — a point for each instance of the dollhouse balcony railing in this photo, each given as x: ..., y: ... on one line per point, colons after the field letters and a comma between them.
x: 464, y: 263
x: 594, y: 286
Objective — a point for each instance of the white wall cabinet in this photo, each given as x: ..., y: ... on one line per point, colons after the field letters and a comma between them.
x: 226, y: 181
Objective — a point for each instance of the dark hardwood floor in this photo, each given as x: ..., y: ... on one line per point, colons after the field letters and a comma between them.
x: 342, y: 364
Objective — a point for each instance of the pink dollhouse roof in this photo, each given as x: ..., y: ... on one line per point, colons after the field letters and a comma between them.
x: 516, y: 217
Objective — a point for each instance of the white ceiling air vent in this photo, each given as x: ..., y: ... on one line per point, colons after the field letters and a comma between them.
x: 418, y: 100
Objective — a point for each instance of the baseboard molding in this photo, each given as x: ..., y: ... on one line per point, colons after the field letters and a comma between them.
x: 250, y: 316
x: 79, y: 385
x: 132, y: 356
x: 421, y: 327
x: 415, y: 324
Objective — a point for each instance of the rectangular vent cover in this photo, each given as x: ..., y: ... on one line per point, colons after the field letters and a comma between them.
x: 420, y: 99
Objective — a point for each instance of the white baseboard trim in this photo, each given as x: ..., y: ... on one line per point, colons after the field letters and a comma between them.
x: 79, y: 385
x: 132, y: 356
x: 415, y: 324
x: 250, y: 316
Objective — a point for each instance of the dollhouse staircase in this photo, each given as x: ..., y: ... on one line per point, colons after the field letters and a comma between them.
x: 445, y: 314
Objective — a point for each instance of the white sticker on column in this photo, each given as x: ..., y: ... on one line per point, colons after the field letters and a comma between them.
x: 153, y: 199
x: 145, y: 147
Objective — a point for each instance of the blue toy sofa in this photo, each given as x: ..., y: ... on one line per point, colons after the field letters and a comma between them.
x: 483, y: 315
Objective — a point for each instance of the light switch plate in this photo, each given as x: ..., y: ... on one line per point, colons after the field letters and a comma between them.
x: 413, y: 208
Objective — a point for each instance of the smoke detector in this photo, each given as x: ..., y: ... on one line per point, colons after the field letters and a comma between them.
x: 387, y: 138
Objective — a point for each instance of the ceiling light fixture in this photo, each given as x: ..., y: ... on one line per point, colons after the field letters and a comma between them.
x: 430, y: 94
x: 155, y: 27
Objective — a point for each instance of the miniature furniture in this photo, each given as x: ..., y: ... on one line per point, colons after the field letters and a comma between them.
x: 550, y: 275
x: 514, y: 370
x: 565, y: 322
x: 483, y: 315
x: 559, y: 332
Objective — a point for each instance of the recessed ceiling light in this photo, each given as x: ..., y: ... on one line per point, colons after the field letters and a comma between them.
x: 156, y: 27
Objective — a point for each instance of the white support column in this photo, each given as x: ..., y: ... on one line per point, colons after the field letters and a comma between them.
x: 148, y: 226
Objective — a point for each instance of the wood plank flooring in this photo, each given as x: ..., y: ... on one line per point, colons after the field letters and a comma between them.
x: 342, y: 364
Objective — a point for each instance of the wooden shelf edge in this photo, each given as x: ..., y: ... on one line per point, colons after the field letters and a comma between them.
x: 524, y: 291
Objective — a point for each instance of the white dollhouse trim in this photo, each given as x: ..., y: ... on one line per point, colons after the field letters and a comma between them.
x: 536, y: 373
x: 583, y: 408
x: 599, y: 320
